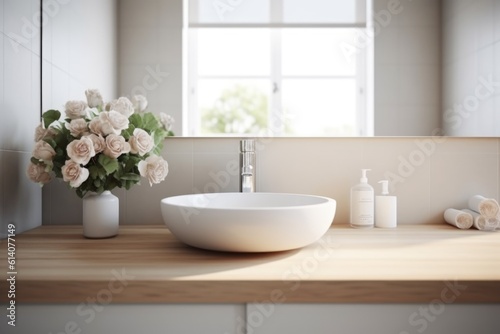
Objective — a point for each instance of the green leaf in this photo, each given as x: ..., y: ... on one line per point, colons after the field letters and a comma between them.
x: 80, y: 192
x: 130, y: 177
x: 150, y: 122
x: 109, y: 165
x: 135, y: 120
x: 94, y: 172
x: 50, y: 116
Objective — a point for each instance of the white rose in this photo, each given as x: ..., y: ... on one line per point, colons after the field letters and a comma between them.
x: 37, y: 173
x: 94, y: 98
x: 167, y: 121
x: 98, y: 141
x: 141, y: 142
x: 43, y: 151
x: 112, y: 122
x: 123, y: 105
x: 140, y: 103
x: 116, y: 146
x: 76, y: 109
x: 74, y: 174
x: 95, y: 126
x: 81, y: 150
x: 154, y: 168
x: 41, y: 132
x: 77, y: 127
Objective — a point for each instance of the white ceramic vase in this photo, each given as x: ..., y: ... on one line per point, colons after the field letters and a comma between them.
x: 100, y: 215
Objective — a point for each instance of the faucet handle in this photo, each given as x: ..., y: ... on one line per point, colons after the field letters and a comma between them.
x: 247, y: 145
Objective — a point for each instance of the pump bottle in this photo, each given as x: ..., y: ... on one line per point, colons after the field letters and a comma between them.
x: 362, y: 206
x: 385, y: 208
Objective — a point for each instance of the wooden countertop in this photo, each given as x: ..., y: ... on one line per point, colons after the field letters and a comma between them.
x: 56, y: 264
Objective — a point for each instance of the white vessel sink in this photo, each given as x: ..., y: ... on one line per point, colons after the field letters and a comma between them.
x: 248, y: 222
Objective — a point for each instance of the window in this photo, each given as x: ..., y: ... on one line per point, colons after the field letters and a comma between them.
x: 262, y: 67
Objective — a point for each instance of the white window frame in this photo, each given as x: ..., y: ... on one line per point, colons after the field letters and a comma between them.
x: 364, y: 115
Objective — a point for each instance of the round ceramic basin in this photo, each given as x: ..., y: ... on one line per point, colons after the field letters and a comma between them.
x: 248, y: 222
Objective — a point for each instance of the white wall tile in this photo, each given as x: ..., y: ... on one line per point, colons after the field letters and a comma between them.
x: 20, y: 199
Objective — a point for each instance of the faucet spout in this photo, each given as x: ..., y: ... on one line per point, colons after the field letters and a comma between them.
x: 247, y: 165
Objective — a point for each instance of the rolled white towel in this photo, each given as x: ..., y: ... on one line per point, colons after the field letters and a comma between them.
x: 482, y: 223
x: 487, y: 207
x: 462, y: 220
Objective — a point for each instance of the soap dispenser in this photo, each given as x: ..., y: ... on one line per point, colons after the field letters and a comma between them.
x: 362, y: 205
x: 385, y: 208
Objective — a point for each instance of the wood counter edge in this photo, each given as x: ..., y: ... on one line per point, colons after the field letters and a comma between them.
x: 445, y: 292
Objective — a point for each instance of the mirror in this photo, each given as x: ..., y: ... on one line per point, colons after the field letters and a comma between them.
x: 432, y: 66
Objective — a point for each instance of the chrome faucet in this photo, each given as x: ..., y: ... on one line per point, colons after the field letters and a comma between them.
x: 247, y: 166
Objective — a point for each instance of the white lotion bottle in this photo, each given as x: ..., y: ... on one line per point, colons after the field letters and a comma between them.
x: 362, y: 206
x: 386, y: 208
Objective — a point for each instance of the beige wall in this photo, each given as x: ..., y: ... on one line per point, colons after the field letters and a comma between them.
x: 20, y: 199
x: 429, y: 175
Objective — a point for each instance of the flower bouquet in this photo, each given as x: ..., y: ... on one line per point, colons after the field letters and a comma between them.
x: 98, y: 147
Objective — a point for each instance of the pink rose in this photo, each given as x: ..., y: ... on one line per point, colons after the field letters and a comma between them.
x: 116, y: 146
x: 140, y: 103
x: 98, y: 141
x: 75, y: 109
x: 141, y: 142
x: 43, y: 151
x: 37, y: 173
x: 112, y: 122
x: 80, y: 151
x: 154, y: 168
x: 41, y: 132
x: 123, y: 105
x: 77, y: 127
x: 94, y: 98
x: 74, y: 174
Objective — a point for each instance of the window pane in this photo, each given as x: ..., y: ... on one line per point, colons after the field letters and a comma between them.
x: 316, y: 52
x: 223, y: 11
x: 319, y: 11
x: 233, y: 52
x: 233, y: 106
x: 318, y: 107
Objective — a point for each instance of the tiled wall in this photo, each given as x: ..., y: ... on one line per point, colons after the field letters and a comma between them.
x: 20, y: 199
x: 407, y: 67
x: 429, y: 175
x: 471, y: 67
